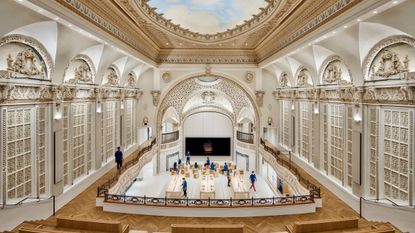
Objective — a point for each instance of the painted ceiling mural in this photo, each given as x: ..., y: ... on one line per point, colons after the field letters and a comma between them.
x: 208, y: 16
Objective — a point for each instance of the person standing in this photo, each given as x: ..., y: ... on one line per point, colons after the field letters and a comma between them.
x: 229, y: 178
x: 252, y: 178
x: 225, y: 168
x: 207, y: 162
x: 188, y: 158
x: 118, y: 158
x: 196, y: 165
x: 180, y: 162
x: 184, y: 187
x: 175, y: 167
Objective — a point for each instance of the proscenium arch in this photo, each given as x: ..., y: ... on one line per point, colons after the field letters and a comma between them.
x: 227, y: 78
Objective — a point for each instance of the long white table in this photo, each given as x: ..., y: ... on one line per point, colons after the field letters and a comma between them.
x: 174, y: 189
x: 239, y: 187
x: 207, y: 187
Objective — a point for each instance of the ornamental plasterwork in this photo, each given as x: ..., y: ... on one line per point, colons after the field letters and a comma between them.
x: 156, y: 97
x: 303, y: 78
x: 33, y: 61
x: 249, y: 77
x: 131, y: 80
x: 284, y: 80
x: 389, y: 64
x: 180, y: 94
x: 218, y: 109
x: 166, y: 77
x: 334, y: 71
x: 259, y: 97
x: 389, y: 60
x: 83, y: 71
x: 112, y: 76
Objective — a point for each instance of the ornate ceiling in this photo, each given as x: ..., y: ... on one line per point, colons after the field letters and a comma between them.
x: 277, y: 25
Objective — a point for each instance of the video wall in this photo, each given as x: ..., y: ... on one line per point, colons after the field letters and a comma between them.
x: 208, y: 146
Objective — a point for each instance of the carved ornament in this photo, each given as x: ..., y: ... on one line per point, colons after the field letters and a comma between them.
x: 260, y: 97
x: 156, y: 97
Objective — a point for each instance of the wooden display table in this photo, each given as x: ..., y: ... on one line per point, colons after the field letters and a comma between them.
x: 239, y: 187
x: 174, y: 189
x: 207, y: 187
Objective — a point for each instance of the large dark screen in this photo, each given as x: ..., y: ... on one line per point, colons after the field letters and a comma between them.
x: 208, y: 146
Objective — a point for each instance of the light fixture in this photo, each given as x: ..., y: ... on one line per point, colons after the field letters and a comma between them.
x: 375, y: 12
x: 58, y: 113
x: 395, y: 2
x: 292, y: 106
x: 345, y: 26
x: 122, y: 104
x: 358, y: 20
x: 99, y: 107
x: 269, y: 121
x: 316, y: 110
x: 145, y: 121
x: 357, y: 115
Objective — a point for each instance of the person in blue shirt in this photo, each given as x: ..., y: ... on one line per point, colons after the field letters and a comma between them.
x: 225, y: 169
x: 184, y: 187
x: 252, y: 178
x: 180, y: 162
x: 188, y: 157
x: 175, y: 167
x: 118, y: 158
x: 207, y: 162
x: 212, y: 166
x: 196, y: 165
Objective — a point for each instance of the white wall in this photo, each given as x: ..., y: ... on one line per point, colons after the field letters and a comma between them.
x: 208, y: 124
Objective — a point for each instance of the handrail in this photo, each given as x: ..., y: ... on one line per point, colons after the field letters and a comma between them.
x: 314, y: 189
x: 15, y: 204
x: 387, y: 199
x: 207, y: 203
x: 169, y: 137
x: 245, y: 137
x: 104, y: 187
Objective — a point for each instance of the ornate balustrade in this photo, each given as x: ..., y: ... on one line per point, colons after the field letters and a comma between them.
x: 170, y: 137
x: 208, y: 203
x: 103, y: 188
x: 245, y: 137
x: 314, y: 190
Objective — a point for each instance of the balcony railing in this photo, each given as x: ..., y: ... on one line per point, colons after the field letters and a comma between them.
x: 103, y: 188
x: 314, y: 189
x: 245, y: 137
x: 169, y: 137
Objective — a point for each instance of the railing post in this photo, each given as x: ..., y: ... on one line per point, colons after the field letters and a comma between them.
x: 124, y: 197
x: 144, y: 199
x: 252, y: 201
x: 187, y: 201
x: 165, y: 200
x: 231, y: 200
x: 208, y: 201
x: 54, y: 205
x: 273, y: 200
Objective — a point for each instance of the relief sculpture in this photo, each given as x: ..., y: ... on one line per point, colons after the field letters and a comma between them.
x: 25, y: 63
x: 390, y: 64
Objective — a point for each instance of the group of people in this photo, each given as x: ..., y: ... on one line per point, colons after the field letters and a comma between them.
x: 119, y: 159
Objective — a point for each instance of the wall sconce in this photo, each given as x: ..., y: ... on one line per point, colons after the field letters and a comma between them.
x: 357, y: 115
x: 269, y: 121
x: 122, y: 104
x: 58, y: 113
x: 292, y: 106
x: 99, y: 107
x: 316, y: 110
x: 145, y: 121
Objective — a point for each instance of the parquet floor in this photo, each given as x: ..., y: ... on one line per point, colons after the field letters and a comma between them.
x: 83, y: 206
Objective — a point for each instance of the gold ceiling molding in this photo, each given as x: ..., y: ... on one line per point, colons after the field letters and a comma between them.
x: 151, y: 13
x: 279, y: 24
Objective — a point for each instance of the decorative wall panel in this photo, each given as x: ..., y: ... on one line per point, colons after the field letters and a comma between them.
x: 349, y: 139
x: 18, y: 159
x: 396, y: 153
x: 109, y: 129
x: 66, y: 145
x: 79, y: 124
x: 89, y: 143
x: 336, y: 137
x: 129, y: 120
x: 325, y: 139
x: 305, y: 127
x: 373, y: 150
x: 286, y: 122
x: 41, y: 138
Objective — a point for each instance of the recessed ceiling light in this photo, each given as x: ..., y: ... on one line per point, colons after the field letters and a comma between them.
x: 345, y: 26
x: 20, y: 0
x: 395, y: 2
x: 375, y: 12
x: 358, y: 20
x: 325, y: 37
x: 56, y: 19
x: 69, y: 25
x: 246, y: 44
x: 40, y: 10
x: 334, y: 32
x: 167, y: 43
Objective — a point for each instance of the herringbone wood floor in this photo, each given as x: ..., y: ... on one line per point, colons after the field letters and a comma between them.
x: 84, y: 206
